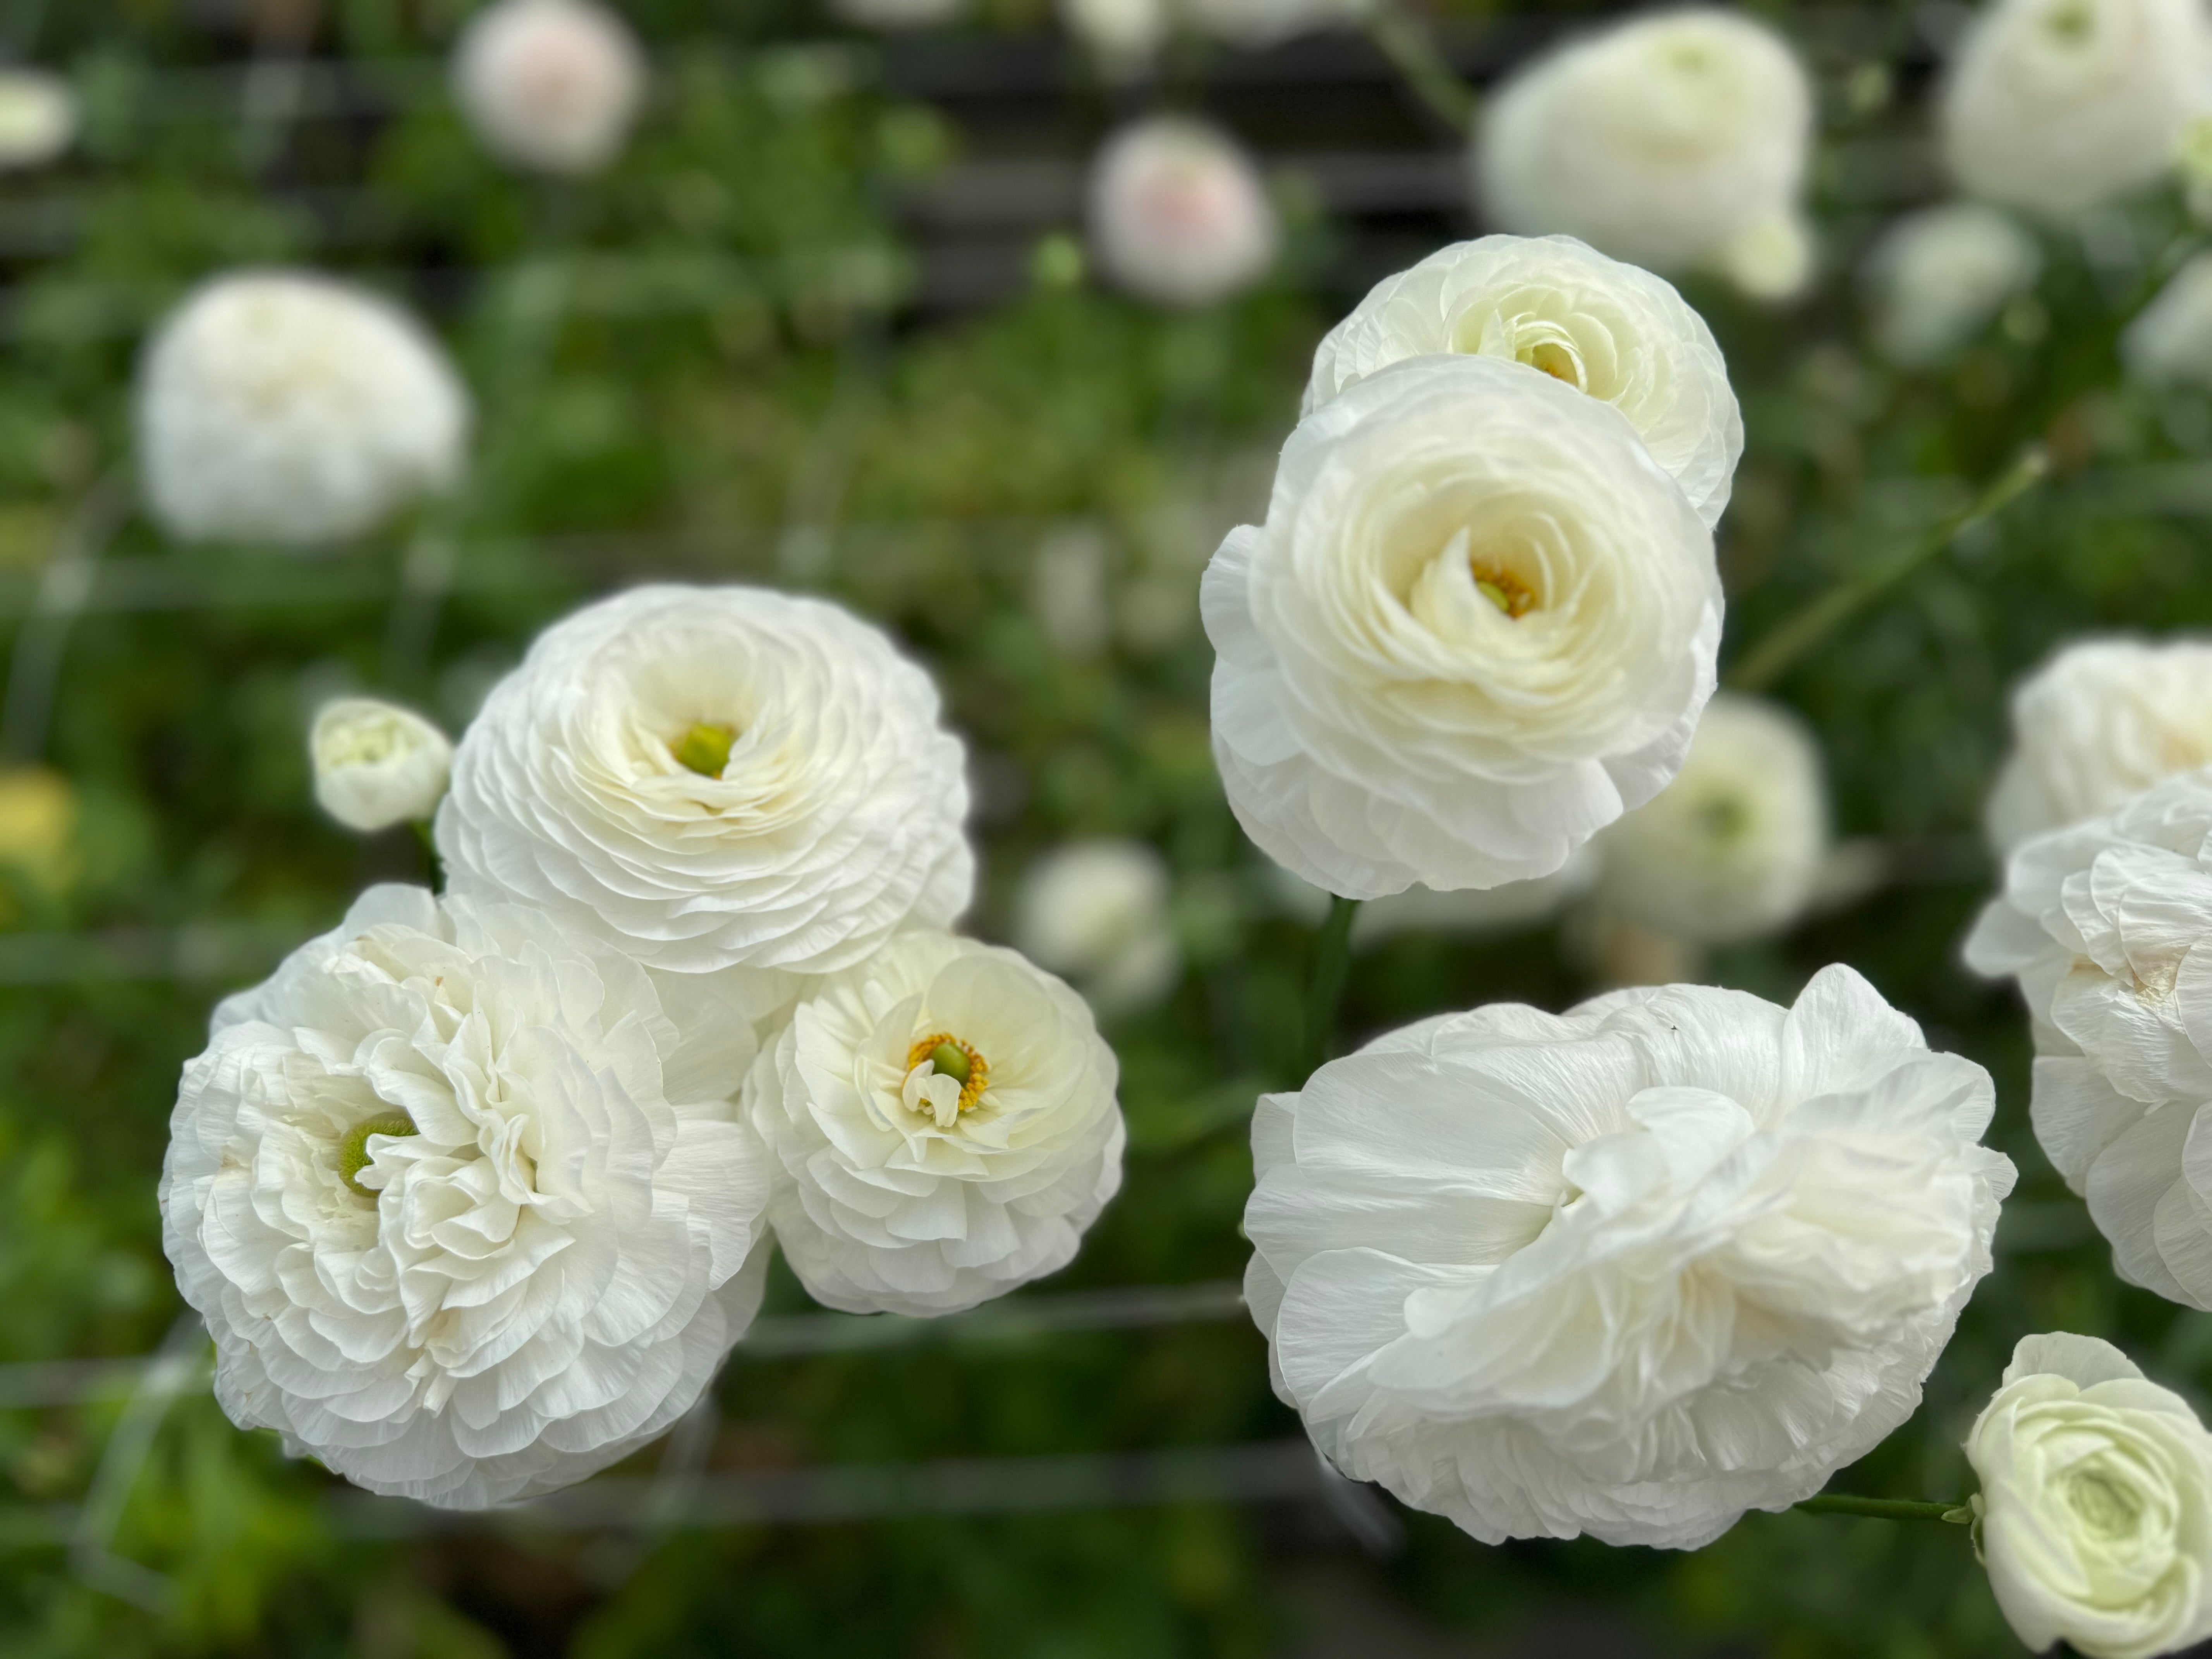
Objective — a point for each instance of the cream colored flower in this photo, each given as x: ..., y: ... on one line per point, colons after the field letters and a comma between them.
x: 2057, y: 107
x: 1178, y: 214
x: 2095, y: 1511
x: 552, y: 85
x: 1615, y: 331
x: 1096, y: 911
x: 1675, y: 139
x: 1628, y: 1271
x: 1478, y: 625
x: 944, y: 1121
x: 2102, y: 720
x: 1733, y: 848
x: 287, y: 408
x: 1938, y: 277
x: 715, y: 777
x: 2170, y: 341
x: 467, y: 1217
x: 38, y: 118
x: 377, y: 765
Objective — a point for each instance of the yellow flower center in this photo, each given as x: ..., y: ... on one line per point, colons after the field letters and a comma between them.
x: 1504, y: 590
x: 705, y: 748
x: 958, y: 1061
x: 353, y: 1150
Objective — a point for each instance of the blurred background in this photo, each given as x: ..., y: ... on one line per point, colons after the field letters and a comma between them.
x: 837, y: 318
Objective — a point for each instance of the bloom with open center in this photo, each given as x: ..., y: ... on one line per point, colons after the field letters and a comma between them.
x: 1478, y: 625
x: 943, y: 1126
x: 2095, y: 1511
x: 1608, y: 329
x: 1675, y: 139
x: 715, y: 777
x: 2057, y: 107
x: 1628, y: 1271
x: 466, y: 1214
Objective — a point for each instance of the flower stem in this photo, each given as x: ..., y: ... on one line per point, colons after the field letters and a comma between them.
x: 1406, y: 41
x: 1766, y: 662
x: 1889, y: 1509
x: 1332, y: 962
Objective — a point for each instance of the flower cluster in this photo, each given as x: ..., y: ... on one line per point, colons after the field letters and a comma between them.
x: 475, y: 1194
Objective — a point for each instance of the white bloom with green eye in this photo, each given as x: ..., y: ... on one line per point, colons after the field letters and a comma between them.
x: 1614, y: 331
x: 943, y: 1126
x: 1096, y: 911
x: 1628, y: 1271
x: 1478, y: 625
x: 715, y: 777
x: 1675, y: 139
x: 290, y: 409
x: 2057, y: 107
x: 2095, y: 1514
x: 468, y: 1217
x: 1938, y: 276
x: 2106, y: 718
x: 552, y: 85
x: 1733, y: 848
x: 377, y: 765
x: 1178, y: 214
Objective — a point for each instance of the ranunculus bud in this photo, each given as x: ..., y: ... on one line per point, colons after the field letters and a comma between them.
x: 1096, y: 911
x: 2095, y: 1511
x: 377, y: 765
x: 1936, y: 277
x: 552, y: 85
x: 38, y: 118
x: 1178, y: 213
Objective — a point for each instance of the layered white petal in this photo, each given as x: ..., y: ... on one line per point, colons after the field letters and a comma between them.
x: 1630, y: 1271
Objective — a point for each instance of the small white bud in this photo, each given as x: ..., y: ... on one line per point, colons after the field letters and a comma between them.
x: 38, y: 118
x: 377, y: 765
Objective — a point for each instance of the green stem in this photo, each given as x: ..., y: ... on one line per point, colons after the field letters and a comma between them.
x: 1889, y: 1509
x: 429, y: 840
x: 1766, y: 662
x: 1406, y: 41
x: 1332, y: 963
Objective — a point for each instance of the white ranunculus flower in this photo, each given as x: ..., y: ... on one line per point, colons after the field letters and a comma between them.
x: 1734, y: 848
x: 2101, y: 924
x: 287, y: 408
x: 2095, y: 1511
x: 1628, y: 1271
x: 1478, y: 625
x: 1612, y: 330
x: 1178, y: 213
x: 1675, y: 139
x: 1096, y: 911
x: 2057, y: 107
x: 2104, y: 719
x: 466, y: 1215
x: 377, y: 765
x: 715, y: 777
x: 38, y: 118
x: 1938, y: 276
x: 2170, y: 341
x: 943, y: 1122
x: 552, y: 85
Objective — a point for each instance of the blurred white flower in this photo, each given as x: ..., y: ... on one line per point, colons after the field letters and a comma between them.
x: 1771, y: 260
x: 38, y: 118
x: 1096, y: 912
x: 2057, y: 107
x: 1609, y: 328
x: 1478, y: 625
x: 2102, y: 720
x: 2170, y: 341
x: 287, y: 408
x: 714, y: 777
x: 944, y: 1121
x: 1938, y: 276
x: 1071, y: 591
x: 1178, y: 214
x: 1733, y: 848
x: 377, y: 765
x: 467, y: 1217
x: 553, y: 85
x: 1120, y: 33
x: 2095, y: 1511
x: 2098, y: 923
x: 1258, y: 23
x: 1671, y: 140
x: 1628, y: 1271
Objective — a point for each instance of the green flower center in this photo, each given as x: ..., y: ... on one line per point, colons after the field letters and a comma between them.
x: 705, y: 748
x: 353, y: 1150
